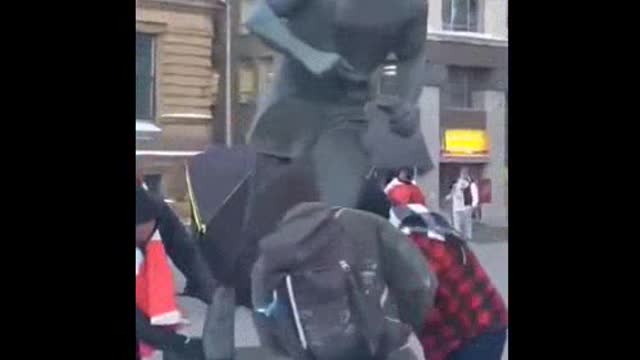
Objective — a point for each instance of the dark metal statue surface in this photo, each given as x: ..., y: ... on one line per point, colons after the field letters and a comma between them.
x: 322, y: 129
x: 322, y: 103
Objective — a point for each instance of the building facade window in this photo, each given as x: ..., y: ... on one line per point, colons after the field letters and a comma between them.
x: 247, y: 82
x: 460, y: 15
x: 265, y: 74
x: 145, y: 77
x: 245, y: 8
x: 459, y: 87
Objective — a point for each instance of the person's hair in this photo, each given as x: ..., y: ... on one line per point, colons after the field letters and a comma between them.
x: 389, y: 178
x: 373, y: 199
x: 147, y: 207
x: 407, y: 170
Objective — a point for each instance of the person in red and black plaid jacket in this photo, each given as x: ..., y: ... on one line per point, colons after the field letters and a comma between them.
x: 469, y: 318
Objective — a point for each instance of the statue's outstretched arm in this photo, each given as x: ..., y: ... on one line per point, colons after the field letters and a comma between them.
x: 266, y: 24
x: 286, y: 8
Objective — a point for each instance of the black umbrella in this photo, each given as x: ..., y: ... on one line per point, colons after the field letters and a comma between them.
x: 233, y: 207
x: 218, y: 182
x: 214, y: 176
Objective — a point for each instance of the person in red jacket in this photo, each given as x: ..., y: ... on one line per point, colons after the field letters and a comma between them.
x: 469, y: 318
x: 160, y: 236
x: 402, y: 190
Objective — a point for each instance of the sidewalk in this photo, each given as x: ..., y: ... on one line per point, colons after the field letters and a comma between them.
x: 483, y: 233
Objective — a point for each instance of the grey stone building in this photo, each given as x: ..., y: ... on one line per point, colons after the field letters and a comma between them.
x: 463, y: 104
x: 466, y: 86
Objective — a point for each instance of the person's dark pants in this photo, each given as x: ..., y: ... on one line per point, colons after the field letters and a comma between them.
x: 488, y: 346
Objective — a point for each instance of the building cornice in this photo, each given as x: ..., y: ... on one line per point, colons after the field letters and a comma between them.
x: 471, y: 38
x: 185, y: 119
x: 199, y: 6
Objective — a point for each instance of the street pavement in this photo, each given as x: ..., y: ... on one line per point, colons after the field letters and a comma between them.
x: 490, y: 246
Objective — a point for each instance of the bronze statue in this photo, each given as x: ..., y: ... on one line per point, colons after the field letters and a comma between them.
x: 322, y: 130
x: 323, y: 108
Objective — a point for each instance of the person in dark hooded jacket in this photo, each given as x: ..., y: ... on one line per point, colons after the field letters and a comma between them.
x: 381, y: 250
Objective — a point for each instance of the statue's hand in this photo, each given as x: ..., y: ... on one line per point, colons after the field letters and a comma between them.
x: 402, y: 117
x: 348, y: 72
x: 324, y: 64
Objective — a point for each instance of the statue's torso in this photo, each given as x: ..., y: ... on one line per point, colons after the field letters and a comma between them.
x: 364, y: 32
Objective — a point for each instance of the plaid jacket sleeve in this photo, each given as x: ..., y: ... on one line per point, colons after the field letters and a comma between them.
x: 408, y: 275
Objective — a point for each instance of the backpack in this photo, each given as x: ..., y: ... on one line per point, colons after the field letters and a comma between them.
x: 330, y: 300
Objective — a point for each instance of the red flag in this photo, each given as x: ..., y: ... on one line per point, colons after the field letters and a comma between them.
x: 155, y: 288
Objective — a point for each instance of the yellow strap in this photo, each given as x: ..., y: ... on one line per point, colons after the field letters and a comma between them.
x: 192, y: 201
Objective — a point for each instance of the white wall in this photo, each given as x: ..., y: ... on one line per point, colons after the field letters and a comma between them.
x: 434, y: 21
x: 495, y: 17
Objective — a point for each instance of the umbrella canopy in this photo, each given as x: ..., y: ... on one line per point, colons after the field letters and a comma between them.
x: 233, y: 207
x: 218, y: 183
x: 214, y: 176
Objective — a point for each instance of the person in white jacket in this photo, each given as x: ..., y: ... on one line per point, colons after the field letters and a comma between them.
x: 464, y: 195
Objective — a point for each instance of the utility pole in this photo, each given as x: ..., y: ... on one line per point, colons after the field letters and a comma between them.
x: 221, y: 59
x: 228, y: 123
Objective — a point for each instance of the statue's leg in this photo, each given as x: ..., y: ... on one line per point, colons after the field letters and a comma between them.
x: 340, y: 165
x: 257, y: 221
x: 218, y: 334
x: 268, y: 169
